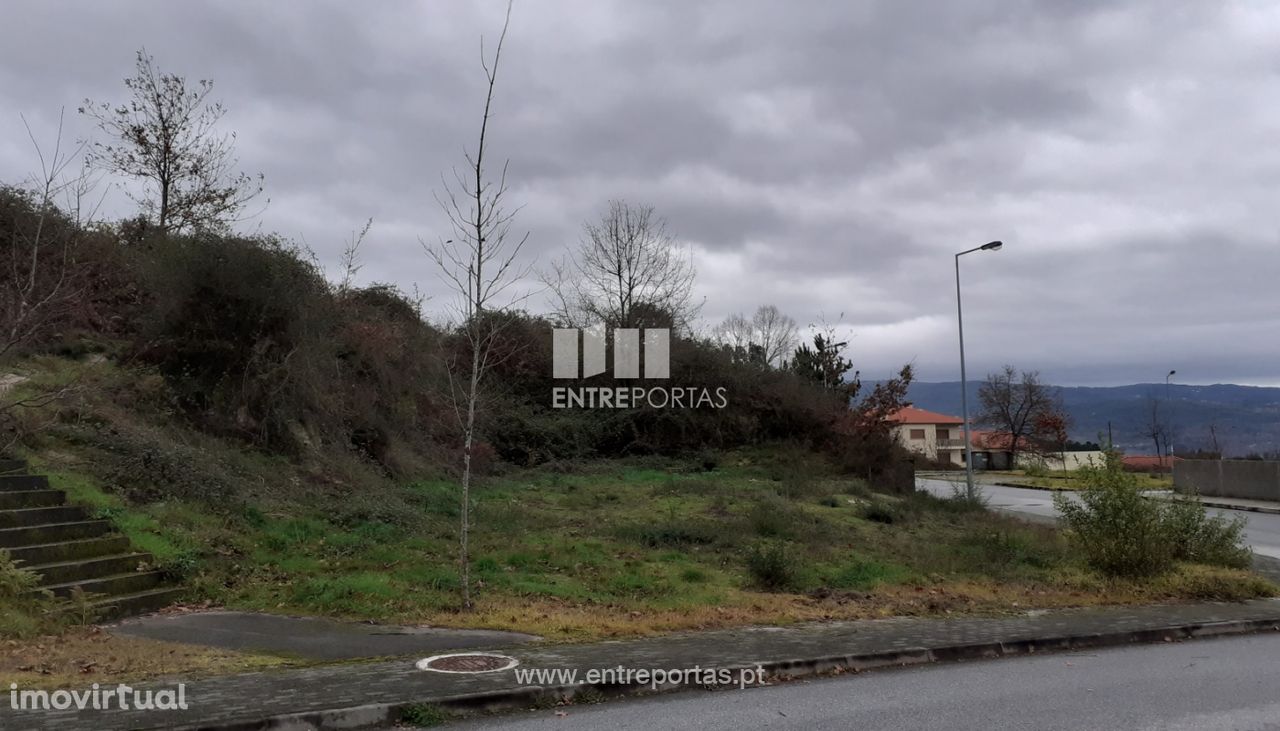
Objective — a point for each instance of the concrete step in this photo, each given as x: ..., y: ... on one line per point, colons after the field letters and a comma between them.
x: 8, y: 466
x: 131, y: 605
x: 130, y: 582
x: 52, y: 533
x: 31, y: 499
x: 43, y: 553
x: 89, y: 568
x: 41, y: 516
x: 23, y: 482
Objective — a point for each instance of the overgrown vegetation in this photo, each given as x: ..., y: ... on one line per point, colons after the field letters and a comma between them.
x: 1122, y: 533
x: 20, y: 614
x: 590, y: 549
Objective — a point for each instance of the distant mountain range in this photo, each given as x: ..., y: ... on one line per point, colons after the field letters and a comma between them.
x: 1246, y: 418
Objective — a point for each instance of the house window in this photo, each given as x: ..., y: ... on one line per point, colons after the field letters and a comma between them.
x: 917, y: 433
x: 944, y: 434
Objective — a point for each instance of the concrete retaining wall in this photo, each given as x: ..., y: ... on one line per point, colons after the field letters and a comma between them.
x: 1243, y: 478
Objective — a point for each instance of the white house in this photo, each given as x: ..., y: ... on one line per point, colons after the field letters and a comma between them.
x: 936, y: 436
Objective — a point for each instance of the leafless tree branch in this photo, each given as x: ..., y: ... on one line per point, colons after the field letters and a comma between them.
x: 479, y: 264
x: 627, y: 271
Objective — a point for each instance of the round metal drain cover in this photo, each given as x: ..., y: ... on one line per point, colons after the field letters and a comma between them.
x: 468, y: 662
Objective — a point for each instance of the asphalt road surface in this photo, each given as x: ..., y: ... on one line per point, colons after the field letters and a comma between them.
x: 1203, y: 684
x: 1262, y: 530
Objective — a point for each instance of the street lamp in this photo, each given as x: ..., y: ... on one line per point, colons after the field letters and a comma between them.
x: 964, y: 381
x: 1168, y: 438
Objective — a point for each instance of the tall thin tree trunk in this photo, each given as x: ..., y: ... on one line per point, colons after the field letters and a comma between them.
x: 468, y: 439
x: 480, y: 235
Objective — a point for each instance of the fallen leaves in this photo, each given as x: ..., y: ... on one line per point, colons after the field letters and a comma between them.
x: 64, y: 660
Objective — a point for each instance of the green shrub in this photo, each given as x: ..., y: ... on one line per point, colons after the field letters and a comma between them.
x: 672, y: 533
x: 1199, y: 537
x: 957, y: 503
x: 238, y: 329
x: 694, y: 575
x: 773, y: 567
x: 22, y: 614
x: 882, y: 511
x: 857, y: 487
x: 1122, y: 533
x: 1116, y: 529
x: 709, y: 460
x: 15, y: 581
x: 773, y: 517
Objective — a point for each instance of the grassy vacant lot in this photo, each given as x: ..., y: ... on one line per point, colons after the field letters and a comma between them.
x: 624, y: 548
x: 567, y: 550
x: 1060, y: 480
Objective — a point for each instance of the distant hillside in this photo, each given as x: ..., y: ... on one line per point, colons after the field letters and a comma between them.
x: 1246, y: 418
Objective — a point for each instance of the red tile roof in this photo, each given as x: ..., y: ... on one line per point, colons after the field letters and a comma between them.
x: 992, y: 441
x: 1145, y: 461
x: 912, y: 415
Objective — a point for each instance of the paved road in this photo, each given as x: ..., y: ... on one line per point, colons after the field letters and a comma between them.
x: 1204, y: 684
x: 1262, y: 531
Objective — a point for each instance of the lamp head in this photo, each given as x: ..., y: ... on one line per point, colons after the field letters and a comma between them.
x: 993, y: 246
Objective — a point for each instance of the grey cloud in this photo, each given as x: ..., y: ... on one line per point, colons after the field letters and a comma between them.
x: 828, y: 157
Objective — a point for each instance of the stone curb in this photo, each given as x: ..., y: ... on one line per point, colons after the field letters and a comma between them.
x: 523, y: 698
x: 1245, y: 508
x: 1032, y: 487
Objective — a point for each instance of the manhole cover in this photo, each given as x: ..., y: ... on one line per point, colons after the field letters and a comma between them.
x: 468, y: 662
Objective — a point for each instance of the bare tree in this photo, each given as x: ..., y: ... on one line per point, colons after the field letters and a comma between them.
x: 1215, y: 442
x: 40, y: 285
x: 626, y: 272
x: 768, y: 337
x: 1013, y: 403
x: 43, y: 279
x: 479, y: 264
x: 1156, y: 429
x: 350, y: 260
x: 736, y: 333
x: 164, y: 136
x: 777, y: 333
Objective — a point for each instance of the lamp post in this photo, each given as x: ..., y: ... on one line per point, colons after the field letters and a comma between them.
x: 964, y: 381
x: 1168, y: 439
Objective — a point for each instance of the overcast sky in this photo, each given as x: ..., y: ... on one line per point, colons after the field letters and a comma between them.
x: 826, y: 157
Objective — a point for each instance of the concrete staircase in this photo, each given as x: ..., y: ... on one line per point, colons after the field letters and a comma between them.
x: 70, y: 550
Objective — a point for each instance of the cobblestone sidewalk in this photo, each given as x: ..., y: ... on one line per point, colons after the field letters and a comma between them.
x: 371, y: 693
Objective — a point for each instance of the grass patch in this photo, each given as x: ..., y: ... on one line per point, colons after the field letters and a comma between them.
x: 1074, y: 479
x: 424, y: 715
x: 864, y: 574
x: 599, y: 549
